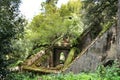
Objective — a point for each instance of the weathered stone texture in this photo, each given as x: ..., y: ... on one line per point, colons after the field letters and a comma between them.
x: 118, y: 31
x: 102, y: 49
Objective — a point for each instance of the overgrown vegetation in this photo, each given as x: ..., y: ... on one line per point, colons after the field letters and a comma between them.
x: 18, y: 41
x: 11, y: 28
x: 102, y: 73
x: 54, y: 24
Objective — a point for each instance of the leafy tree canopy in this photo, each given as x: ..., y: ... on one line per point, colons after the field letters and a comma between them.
x: 54, y: 23
x: 100, y: 12
x: 11, y: 27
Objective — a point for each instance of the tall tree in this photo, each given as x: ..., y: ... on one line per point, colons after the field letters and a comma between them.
x: 55, y: 23
x: 99, y: 13
x: 11, y: 27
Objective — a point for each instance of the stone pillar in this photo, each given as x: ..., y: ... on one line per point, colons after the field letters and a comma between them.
x: 56, y: 57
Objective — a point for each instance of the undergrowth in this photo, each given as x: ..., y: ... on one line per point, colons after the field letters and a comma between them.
x: 102, y: 73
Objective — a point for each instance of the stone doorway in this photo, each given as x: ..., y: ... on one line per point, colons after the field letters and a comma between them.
x: 59, y: 56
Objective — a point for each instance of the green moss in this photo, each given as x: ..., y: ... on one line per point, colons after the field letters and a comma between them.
x: 106, y: 27
x: 40, y: 69
x: 70, y: 57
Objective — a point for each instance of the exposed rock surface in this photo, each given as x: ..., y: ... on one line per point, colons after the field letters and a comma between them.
x: 118, y: 31
x: 101, y: 50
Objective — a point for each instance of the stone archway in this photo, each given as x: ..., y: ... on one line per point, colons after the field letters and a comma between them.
x: 57, y: 54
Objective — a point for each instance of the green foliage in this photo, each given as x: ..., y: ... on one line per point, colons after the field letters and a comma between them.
x: 50, y: 26
x: 109, y: 73
x: 21, y: 47
x: 98, y: 13
x: 106, y: 26
x: 21, y: 76
x: 55, y: 23
x: 102, y: 73
x: 11, y: 27
x: 70, y: 57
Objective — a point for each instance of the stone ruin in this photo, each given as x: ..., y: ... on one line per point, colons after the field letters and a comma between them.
x: 93, y: 51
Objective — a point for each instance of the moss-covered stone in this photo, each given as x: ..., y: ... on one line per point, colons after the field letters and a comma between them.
x: 70, y: 57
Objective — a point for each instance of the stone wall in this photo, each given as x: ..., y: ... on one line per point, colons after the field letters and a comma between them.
x: 101, y: 50
x: 118, y: 31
